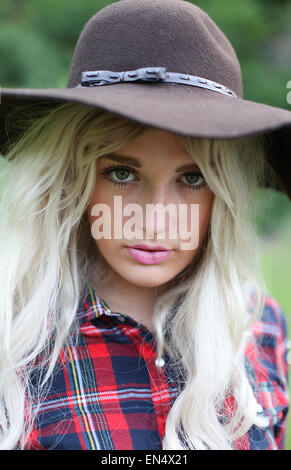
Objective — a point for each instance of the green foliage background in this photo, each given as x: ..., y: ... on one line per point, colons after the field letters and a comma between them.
x: 37, y: 40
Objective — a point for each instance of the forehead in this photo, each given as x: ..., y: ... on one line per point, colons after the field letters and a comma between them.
x: 152, y: 147
x: 158, y: 138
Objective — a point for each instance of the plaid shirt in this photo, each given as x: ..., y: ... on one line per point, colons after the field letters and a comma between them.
x: 108, y: 393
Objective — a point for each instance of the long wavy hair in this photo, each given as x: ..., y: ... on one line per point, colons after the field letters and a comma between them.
x: 48, y: 254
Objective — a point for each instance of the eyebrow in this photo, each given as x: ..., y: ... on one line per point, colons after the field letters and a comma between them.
x: 137, y: 164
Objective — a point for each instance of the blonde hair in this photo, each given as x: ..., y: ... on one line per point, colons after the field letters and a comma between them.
x: 48, y: 253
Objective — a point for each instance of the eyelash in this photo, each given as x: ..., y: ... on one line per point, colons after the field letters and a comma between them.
x: 106, y: 172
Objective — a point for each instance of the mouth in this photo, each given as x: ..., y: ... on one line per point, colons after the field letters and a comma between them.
x: 145, y: 254
x: 149, y: 248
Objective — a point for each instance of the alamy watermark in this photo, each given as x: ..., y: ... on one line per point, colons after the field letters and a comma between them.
x: 288, y: 98
x: 178, y: 217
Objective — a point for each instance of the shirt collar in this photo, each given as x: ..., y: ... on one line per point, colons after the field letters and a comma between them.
x: 92, y: 306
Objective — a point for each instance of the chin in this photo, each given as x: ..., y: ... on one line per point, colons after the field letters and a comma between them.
x: 146, y: 281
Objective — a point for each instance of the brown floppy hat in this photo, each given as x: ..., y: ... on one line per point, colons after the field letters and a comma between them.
x: 166, y: 64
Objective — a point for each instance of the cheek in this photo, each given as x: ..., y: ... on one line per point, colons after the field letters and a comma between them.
x: 109, y: 248
x: 205, y: 211
x: 100, y: 195
x: 204, y: 219
x: 198, y: 222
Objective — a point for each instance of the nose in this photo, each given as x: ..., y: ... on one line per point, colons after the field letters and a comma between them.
x: 159, y: 194
x: 159, y: 212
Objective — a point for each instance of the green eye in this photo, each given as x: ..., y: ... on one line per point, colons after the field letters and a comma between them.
x: 119, y: 175
x: 193, y: 179
x: 122, y: 174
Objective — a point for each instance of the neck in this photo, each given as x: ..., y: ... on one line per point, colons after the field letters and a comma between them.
x: 134, y: 301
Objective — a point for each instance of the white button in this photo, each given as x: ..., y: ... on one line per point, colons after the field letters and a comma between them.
x: 259, y: 408
x: 121, y: 319
x: 160, y: 362
x: 264, y: 420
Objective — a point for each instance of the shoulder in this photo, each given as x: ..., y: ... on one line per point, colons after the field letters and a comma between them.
x: 273, y: 320
x: 269, y: 347
x: 266, y: 360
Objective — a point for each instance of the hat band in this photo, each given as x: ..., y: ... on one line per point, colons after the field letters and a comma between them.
x: 152, y: 74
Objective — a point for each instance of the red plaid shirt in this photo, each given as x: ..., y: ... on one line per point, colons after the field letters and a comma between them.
x: 108, y: 393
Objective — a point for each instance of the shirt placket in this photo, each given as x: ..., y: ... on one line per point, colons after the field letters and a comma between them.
x: 157, y: 374
x: 145, y: 344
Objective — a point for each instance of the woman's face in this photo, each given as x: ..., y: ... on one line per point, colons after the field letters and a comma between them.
x: 148, y: 172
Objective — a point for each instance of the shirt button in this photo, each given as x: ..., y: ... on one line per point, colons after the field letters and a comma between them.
x: 160, y: 362
x: 259, y: 408
x: 120, y: 319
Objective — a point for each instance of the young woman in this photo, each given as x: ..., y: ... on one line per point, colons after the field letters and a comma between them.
x: 134, y: 340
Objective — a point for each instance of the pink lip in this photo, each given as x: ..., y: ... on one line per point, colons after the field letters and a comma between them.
x: 142, y: 246
x: 149, y: 256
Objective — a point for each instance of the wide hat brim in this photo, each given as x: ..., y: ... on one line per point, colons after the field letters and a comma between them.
x: 182, y: 109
